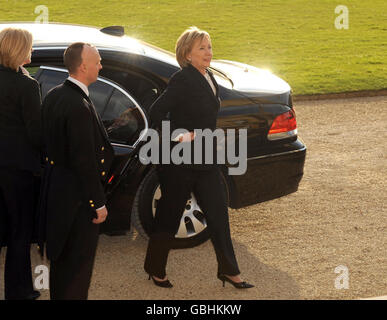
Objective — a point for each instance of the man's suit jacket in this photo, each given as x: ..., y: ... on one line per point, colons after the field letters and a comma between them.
x: 79, y: 156
x: 188, y: 103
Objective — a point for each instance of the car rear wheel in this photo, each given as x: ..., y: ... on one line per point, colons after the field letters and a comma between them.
x: 193, y: 226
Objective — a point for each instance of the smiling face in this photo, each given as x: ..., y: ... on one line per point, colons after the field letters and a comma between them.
x: 201, y: 54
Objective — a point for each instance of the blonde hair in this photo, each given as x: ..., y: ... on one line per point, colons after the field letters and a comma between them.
x: 185, y: 43
x: 15, y: 47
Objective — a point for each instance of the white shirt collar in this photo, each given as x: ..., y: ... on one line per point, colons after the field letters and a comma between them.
x: 79, y: 84
x: 207, y: 76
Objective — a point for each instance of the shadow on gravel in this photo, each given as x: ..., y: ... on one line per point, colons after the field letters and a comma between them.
x: 119, y: 275
x: 192, y: 272
x: 270, y: 283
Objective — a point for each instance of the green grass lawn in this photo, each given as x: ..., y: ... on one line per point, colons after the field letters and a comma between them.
x: 296, y: 39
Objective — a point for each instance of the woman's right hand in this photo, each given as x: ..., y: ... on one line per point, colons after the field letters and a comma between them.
x: 187, y: 137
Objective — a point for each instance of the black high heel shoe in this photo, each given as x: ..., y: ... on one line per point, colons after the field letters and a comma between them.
x: 163, y: 284
x: 238, y: 285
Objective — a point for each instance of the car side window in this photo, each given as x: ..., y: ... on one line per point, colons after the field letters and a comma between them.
x: 138, y: 86
x: 120, y: 115
x: 100, y: 94
x: 49, y: 79
x: 122, y: 119
x: 32, y: 71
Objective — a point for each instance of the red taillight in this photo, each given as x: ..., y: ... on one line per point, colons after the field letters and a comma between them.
x: 284, y: 123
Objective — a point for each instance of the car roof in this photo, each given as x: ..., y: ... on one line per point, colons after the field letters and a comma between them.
x: 62, y: 35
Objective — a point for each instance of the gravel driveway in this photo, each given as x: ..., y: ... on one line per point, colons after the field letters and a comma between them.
x: 288, y: 247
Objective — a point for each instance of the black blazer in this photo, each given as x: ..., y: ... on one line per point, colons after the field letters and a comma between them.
x: 188, y: 103
x: 78, y: 157
x: 20, y: 121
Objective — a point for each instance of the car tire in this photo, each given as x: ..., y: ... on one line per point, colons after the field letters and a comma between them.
x: 193, y: 229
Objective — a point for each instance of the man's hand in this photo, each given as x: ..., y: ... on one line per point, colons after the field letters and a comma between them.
x: 101, y: 215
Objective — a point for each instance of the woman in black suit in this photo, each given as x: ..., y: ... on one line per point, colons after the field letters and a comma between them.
x: 20, y: 140
x: 192, y: 102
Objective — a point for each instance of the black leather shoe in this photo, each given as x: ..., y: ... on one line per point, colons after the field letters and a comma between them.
x: 238, y: 285
x: 32, y: 296
x: 162, y: 284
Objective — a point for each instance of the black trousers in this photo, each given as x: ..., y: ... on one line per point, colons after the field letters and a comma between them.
x: 17, y: 210
x: 176, y: 185
x: 70, y: 273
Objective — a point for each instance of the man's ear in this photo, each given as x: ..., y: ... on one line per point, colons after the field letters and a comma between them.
x: 82, y: 68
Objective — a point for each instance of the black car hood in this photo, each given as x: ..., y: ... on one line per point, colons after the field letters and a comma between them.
x: 259, y: 85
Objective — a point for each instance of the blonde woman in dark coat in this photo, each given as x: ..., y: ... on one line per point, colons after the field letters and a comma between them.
x: 192, y: 101
x: 20, y: 141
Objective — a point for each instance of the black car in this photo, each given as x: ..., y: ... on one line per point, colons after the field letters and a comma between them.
x: 134, y: 74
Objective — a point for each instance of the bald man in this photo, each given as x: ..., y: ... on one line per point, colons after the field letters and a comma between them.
x: 79, y: 156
